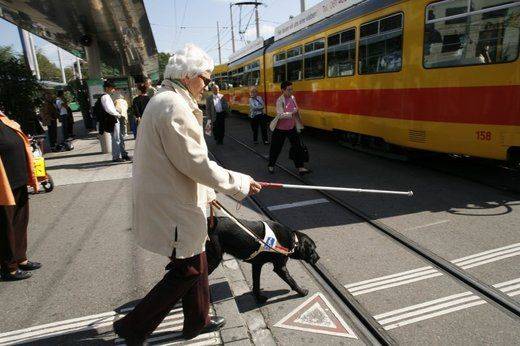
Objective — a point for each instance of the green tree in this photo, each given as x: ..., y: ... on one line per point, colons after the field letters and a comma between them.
x: 6, y: 53
x: 163, y: 61
x: 48, y: 70
x: 20, y: 92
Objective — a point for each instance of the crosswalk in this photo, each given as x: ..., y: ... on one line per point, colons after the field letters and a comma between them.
x: 168, y: 332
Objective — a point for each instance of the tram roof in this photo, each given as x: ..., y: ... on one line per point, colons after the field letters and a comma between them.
x: 336, y: 19
x: 121, y: 28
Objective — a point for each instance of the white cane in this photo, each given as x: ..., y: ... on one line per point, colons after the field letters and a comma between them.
x: 332, y: 188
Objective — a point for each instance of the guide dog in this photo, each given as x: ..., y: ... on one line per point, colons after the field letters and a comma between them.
x: 225, y: 236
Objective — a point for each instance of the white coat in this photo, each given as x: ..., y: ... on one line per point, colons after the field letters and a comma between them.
x: 282, y: 114
x: 173, y: 178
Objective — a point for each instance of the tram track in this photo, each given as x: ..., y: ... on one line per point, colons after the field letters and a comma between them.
x: 365, y: 324
x: 488, y: 292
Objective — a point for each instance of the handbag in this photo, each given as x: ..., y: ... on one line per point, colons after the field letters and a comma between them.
x: 301, y: 152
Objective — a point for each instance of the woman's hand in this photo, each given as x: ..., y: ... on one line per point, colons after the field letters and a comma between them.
x: 254, y: 187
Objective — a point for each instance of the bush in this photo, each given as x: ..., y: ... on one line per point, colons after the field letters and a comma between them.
x: 20, y: 92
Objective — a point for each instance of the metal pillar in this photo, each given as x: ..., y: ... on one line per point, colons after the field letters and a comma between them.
x: 232, y: 30
x: 78, y: 63
x: 257, y: 22
x: 94, y: 71
x: 219, y: 48
x: 34, y: 57
x: 63, y: 78
x: 302, y: 5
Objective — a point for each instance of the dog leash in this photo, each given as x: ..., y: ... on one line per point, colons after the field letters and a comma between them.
x: 220, y: 207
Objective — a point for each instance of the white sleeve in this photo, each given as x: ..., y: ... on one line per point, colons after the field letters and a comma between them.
x: 108, y: 105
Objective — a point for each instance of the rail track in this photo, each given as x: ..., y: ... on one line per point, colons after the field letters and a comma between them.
x: 371, y: 330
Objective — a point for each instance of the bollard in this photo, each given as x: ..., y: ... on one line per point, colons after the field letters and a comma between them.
x: 105, y: 141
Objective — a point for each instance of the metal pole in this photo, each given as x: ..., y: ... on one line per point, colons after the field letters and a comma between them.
x: 257, y: 21
x: 232, y: 30
x: 35, y: 58
x: 80, y: 74
x: 218, y: 39
x: 63, y: 78
x: 25, y: 47
x: 302, y: 5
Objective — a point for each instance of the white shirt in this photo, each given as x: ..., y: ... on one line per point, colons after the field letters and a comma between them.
x: 217, y: 103
x: 61, y: 108
x: 108, y: 105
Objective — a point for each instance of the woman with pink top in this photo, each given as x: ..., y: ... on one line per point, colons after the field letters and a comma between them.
x: 287, y: 123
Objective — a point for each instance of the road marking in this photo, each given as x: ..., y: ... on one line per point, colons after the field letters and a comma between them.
x: 427, y: 225
x: 424, y: 273
x: 174, y: 320
x: 316, y: 315
x: 298, y: 204
x: 442, y: 306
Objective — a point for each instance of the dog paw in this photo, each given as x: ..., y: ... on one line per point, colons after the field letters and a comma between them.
x: 260, y: 299
x: 303, y: 292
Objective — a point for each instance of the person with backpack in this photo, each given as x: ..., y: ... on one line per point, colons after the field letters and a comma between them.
x: 63, y: 111
x: 49, y: 115
x: 139, y: 104
x: 108, y: 118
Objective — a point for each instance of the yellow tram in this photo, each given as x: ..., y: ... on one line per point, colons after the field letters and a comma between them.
x: 441, y: 76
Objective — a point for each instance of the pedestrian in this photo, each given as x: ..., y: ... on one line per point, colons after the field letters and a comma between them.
x: 16, y: 172
x: 287, y: 124
x: 173, y: 184
x: 122, y: 108
x: 150, y: 90
x: 217, y: 109
x: 63, y: 110
x: 139, y: 104
x: 50, y: 115
x: 111, y: 123
x: 257, y: 115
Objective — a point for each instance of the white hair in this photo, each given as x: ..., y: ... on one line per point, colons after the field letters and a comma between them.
x: 190, y: 62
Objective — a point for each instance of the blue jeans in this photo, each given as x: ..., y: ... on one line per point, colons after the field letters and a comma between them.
x: 118, y: 140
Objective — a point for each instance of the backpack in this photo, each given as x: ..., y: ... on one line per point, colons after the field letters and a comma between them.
x: 106, y: 121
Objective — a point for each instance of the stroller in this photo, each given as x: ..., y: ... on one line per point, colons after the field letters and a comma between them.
x: 40, y: 172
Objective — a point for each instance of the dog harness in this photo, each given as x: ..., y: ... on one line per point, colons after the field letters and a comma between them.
x: 270, y: 244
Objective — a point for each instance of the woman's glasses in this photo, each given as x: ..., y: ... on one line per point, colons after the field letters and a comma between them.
x: 205, y: 80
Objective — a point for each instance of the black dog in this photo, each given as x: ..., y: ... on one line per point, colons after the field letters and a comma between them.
x: 227, y: 237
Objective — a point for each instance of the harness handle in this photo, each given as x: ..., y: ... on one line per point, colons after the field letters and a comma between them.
x: 219, y: 206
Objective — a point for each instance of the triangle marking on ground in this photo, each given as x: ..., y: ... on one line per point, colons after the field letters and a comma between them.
x: 317, y: 315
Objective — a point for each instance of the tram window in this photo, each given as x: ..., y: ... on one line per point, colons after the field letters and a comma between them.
x: 480, y: 34
x: 315, y: 59
x: 279, y: 73
x: 341, y: 54
x: 381, y: 45
x: 254, y: 78
x: 295, y: 64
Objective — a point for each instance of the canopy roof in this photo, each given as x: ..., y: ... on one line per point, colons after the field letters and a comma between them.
x: 120, y: 27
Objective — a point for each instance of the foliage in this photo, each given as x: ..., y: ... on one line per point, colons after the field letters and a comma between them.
x: 163, y: 61
x: 48, y: 70
x: 19, y: 91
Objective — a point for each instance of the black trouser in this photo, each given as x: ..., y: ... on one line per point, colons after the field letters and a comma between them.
x: 219, y: 127
x: 259, y: 120
x: 187, y: 279
x: 52, y: 130
x: 70, y: 124
x: 14, y: 220
x: 64, y: 119
x: 277, y: 140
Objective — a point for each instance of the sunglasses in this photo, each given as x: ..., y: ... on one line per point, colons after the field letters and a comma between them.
x: 205, y: 80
